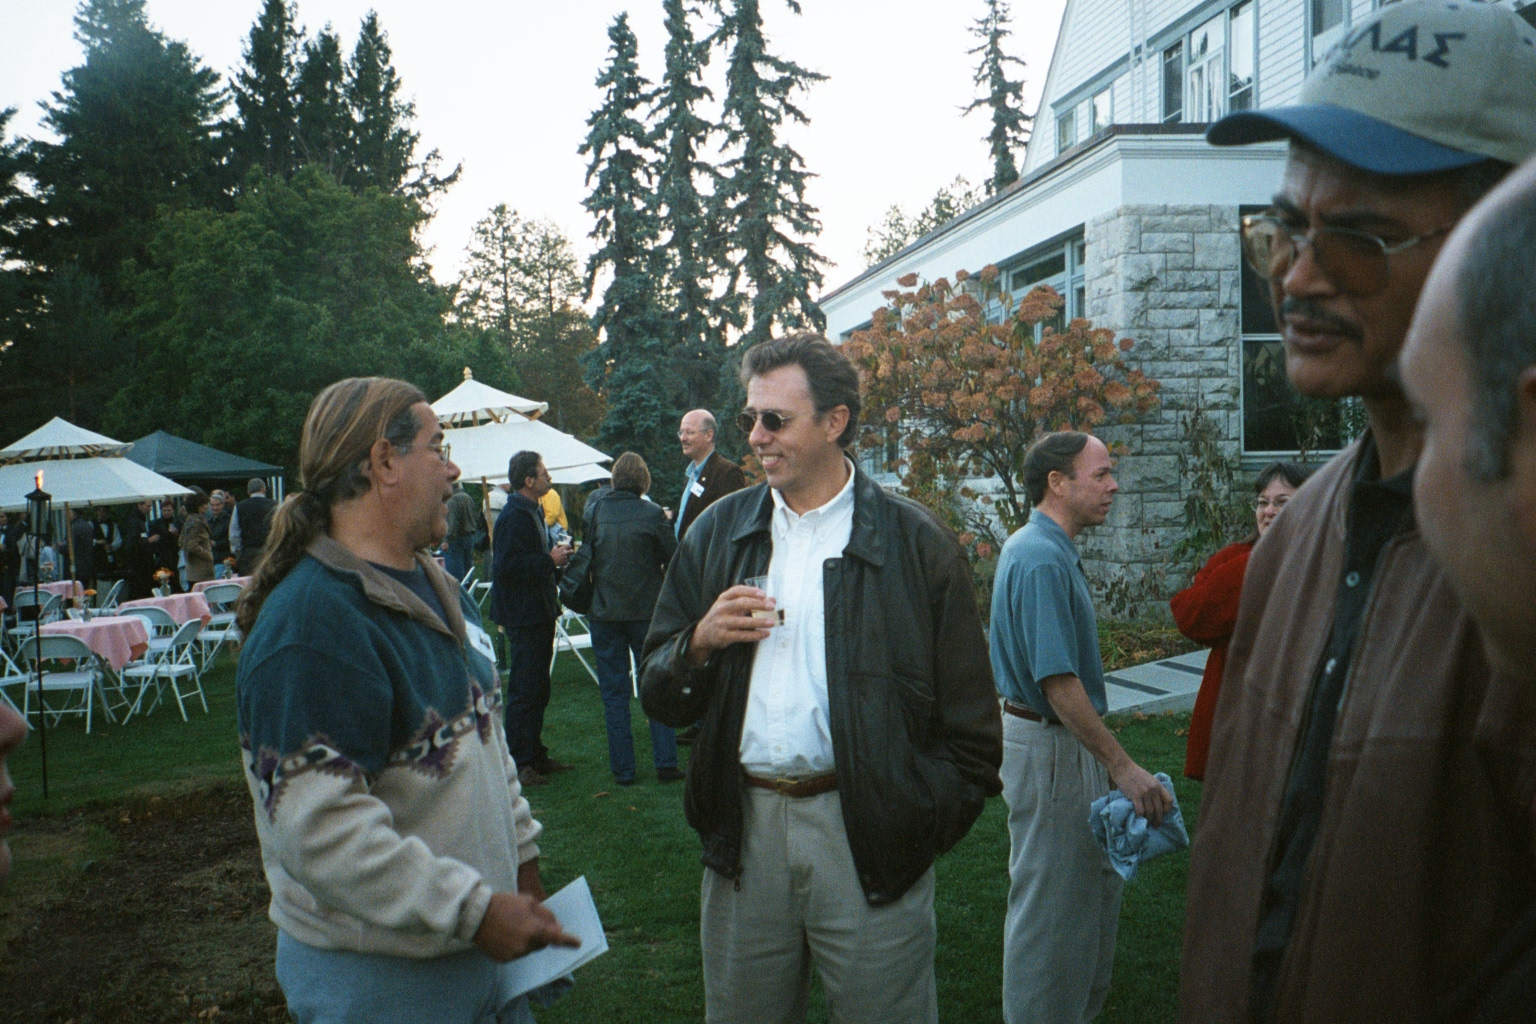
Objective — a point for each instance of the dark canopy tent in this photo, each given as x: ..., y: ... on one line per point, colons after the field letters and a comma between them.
x: 182, y: 460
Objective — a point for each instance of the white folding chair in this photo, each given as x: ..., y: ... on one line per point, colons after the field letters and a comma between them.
x: 11, y: 675
x: 172, y: 665
x: 159, y: 623
x: 32, y: 611
x: 221, y: 628
x: 573, y: 634
x: 468, y: 582
x: 108, y: 601
x: 80, y: 681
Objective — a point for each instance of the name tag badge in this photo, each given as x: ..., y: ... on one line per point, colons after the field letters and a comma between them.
x: 696, y: 489
x: 480, y: 641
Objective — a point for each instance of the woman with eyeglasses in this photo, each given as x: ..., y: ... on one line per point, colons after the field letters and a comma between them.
x: 1206, y: 610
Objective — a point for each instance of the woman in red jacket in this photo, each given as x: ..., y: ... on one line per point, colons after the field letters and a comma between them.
x: 1206, y: 610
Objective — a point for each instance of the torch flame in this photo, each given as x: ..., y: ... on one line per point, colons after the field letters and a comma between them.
x: 39, y: 479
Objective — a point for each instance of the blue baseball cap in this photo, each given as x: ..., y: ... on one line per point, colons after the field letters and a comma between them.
x: 1416, y: 88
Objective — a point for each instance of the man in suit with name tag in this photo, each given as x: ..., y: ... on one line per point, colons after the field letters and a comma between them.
x: 711, y: 476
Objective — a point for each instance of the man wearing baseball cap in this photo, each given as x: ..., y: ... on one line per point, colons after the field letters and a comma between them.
x: 1365, y: 840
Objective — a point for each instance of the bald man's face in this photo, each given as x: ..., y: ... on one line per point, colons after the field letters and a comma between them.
x: 695, y: 437
x: 1483, y: 533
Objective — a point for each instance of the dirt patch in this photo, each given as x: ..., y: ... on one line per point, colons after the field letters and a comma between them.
x: 159, y: 914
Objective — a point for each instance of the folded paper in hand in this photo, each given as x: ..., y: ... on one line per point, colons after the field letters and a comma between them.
x: 578, y: 916
x: 1126, y: 836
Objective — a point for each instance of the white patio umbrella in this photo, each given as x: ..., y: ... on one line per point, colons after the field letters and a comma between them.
x: 579, y: 474
x: 482, y: 452
x: 97, y: 480
x: 474, y: 402
x: 59, y: 438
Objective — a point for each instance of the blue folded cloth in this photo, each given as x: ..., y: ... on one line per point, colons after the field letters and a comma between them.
x: 1125, y: 835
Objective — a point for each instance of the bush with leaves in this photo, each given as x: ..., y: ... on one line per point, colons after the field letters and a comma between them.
x: 953, y: 394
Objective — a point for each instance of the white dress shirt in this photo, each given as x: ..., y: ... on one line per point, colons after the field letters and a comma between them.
x: 786, y: 732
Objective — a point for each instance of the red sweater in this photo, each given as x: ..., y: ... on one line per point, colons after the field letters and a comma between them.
x: 1206, y: 612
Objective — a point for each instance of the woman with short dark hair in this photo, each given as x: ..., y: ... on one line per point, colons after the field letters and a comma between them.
x: 1206, y: 610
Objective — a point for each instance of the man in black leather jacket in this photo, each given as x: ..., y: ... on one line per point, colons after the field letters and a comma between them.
x: 843, y: 747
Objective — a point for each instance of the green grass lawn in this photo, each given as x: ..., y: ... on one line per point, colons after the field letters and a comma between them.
x: 640, y: 857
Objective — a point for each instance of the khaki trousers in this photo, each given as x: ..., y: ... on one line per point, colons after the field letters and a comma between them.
x: 1063, y: 897
x: 799, y: 903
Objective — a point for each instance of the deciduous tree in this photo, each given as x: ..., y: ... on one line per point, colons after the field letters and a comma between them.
x: 951, y: 395
x: 244, y: 315
x: 898, y: 230
x: 520, y: 285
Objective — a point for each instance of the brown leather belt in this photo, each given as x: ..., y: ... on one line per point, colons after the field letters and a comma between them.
x: 1020, y: 711
x: 811, y: 785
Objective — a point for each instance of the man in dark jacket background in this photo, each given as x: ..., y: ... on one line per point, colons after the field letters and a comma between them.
x: 525, y: 605
x: 849, y: 729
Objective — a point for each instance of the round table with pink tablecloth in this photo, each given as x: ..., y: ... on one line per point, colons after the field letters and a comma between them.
x: 180, y: 607
x: 116, y: 639
x: 63, y: 588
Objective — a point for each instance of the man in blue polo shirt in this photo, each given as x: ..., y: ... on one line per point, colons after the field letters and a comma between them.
x: 1063, y: 896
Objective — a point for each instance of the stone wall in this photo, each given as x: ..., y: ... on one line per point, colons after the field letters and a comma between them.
x: 1168, y: 278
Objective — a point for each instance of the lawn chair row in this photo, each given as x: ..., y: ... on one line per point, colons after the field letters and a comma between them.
x: 176, y: 657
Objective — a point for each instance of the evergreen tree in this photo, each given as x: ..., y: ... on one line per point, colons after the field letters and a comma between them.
x: 138, y: 129
x: 383, y: 143
x: 629, y: 366
x: 1004, y: 96
x: 15, y: 283
x: 324, y: 124
x: 759, y: 202
x: 686, y: 256
x: 265, y: 92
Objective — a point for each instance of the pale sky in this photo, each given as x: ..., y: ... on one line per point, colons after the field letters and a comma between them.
x: 505, y: 87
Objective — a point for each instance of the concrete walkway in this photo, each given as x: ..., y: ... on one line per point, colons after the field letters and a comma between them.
x: 1166, y: 685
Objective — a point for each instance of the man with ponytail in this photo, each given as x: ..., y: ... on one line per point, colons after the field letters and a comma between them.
x: 398, y: 847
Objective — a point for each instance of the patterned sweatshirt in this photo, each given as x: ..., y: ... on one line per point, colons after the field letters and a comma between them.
x: 387, y: 807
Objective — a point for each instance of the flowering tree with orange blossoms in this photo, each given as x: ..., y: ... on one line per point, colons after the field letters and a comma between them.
x: 951, y: 394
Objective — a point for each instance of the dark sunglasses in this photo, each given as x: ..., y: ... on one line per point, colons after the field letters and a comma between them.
x: 772, y: 422
x: 1355, y: 261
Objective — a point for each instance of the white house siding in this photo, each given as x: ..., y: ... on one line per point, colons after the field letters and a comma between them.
x: 1096, y: 34
x: 1282, y: 53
